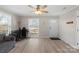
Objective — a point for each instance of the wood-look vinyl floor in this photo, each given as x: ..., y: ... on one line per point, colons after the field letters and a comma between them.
x: 35, y: 45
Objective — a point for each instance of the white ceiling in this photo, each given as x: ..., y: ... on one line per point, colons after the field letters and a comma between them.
x: 24, y: 10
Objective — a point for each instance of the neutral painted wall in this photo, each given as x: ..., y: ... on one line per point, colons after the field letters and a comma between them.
x: 14, y: 22
x: 44, y: 27
x: 77, y: 28
x: 67, y: 32
x: 44, y: 24
x: 24, y: 22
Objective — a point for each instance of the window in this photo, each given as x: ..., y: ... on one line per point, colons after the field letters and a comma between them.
x: 33, y: 25
x: 5, y: 24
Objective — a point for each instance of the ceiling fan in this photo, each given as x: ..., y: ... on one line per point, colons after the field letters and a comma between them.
x: 39, y: 9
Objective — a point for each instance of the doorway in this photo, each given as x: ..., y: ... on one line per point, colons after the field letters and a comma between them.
x: 53, y: 28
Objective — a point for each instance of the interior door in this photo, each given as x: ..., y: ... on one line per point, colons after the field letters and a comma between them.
x: 53, y: 28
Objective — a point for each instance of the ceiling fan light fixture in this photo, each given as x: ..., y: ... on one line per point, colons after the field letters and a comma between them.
x: 38, y: 12
x: 39, y: 9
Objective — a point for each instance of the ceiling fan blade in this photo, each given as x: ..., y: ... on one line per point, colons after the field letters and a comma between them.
x: 38, y: 7
x: 45, y: 11
x: 30, y: 6
x: 43, y: 6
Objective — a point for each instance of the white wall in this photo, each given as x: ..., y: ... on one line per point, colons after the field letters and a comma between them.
x: 14, y: 22
x: 77, y: 28
x: 44, y: 27
x: 24, y: 22
x: 67, y: 32
x: 44, y: 23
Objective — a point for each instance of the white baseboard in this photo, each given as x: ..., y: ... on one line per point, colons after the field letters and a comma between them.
x: 70, y: 44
